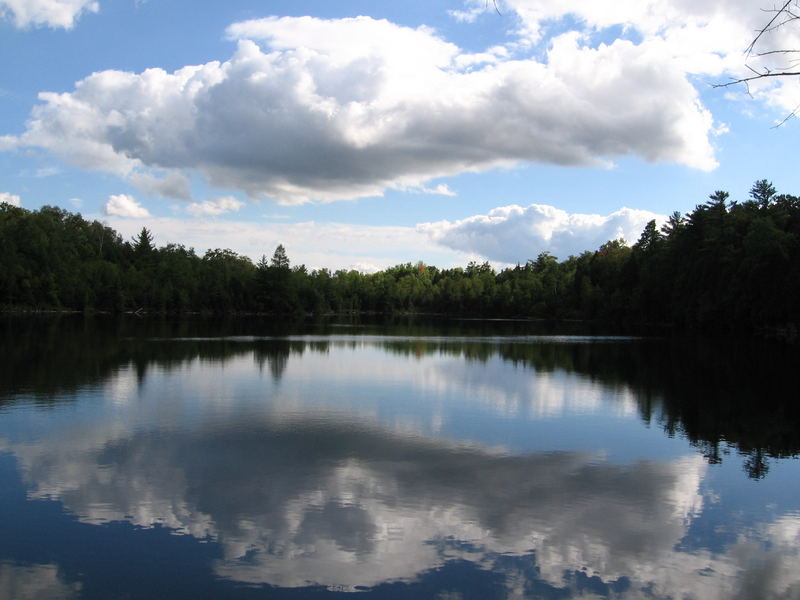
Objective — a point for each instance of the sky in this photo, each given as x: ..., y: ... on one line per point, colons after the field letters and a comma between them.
x: 363, y: 134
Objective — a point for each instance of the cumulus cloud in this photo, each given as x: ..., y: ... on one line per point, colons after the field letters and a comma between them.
x: 312, y: 109
x: 699, y: 38
x: 514, y: 234
x: 46, y: 13
x: 8, y: 198
x: 124, y: 205
x: 214, y: 207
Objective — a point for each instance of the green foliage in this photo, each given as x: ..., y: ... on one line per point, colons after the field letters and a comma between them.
x: 279, y: 258
x: 726, y: 265
x: 762, y: 192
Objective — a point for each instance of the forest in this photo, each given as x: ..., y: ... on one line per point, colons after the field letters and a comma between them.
x: 725, y: 266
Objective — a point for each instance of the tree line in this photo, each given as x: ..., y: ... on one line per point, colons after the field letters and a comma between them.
x: 726, y: 265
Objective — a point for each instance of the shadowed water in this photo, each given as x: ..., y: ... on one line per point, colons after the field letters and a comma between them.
x: 444, y: 460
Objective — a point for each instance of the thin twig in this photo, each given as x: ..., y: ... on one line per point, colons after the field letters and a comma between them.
x: 787, y: 117
x: 756, y: 76
x: 784, y: 8
x: 776, y: 52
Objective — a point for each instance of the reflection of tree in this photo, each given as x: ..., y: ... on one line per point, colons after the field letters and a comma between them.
x: 275, y: 354
x: 45, y: 356
x: 277, y: 360
x: 718, y: 395
x: 713, y: 392
x: 49, y: 355
x: 756, y: 465
x: 741, y: 394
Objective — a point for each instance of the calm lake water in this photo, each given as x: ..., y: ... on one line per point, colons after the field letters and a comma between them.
x: 456, y: 460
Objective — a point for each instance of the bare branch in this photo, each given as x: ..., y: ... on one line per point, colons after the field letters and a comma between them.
x: 782, y: 16
x: 777, y: 52
x: 766, y: 28
x: 756, y: 76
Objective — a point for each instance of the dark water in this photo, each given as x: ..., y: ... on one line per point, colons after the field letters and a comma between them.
x: 450, y: 461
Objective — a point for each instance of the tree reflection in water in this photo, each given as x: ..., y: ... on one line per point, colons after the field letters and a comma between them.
x: 718, y: 394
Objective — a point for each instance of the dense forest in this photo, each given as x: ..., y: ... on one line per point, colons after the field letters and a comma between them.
x: 726, y: 265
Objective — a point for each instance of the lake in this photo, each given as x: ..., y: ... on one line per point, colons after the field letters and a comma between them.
x: 445, y: 460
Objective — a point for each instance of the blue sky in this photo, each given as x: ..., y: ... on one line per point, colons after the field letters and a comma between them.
x: 365, y: 134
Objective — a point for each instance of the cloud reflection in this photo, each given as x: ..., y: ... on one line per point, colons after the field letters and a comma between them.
x: 34, y: 582
x: 346, y: 504
x: 312, y: 480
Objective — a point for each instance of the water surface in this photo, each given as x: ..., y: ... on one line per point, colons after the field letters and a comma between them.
x: 451, y: 460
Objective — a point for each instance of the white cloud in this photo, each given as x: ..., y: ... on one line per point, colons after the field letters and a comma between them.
x: 492, y: 55
x: 215, y: 206
x: 8, y: 142
x: 473, y: 9
x: 515, y: 234
x: 46, y: 13
x: 699, y: 38
x: 47, y: 172
x: 317, y: 245
x: 440, y: 190
x: 124, y: 205
x: 171, y: 185
x: 328, y: 110
x: 8, y: 198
